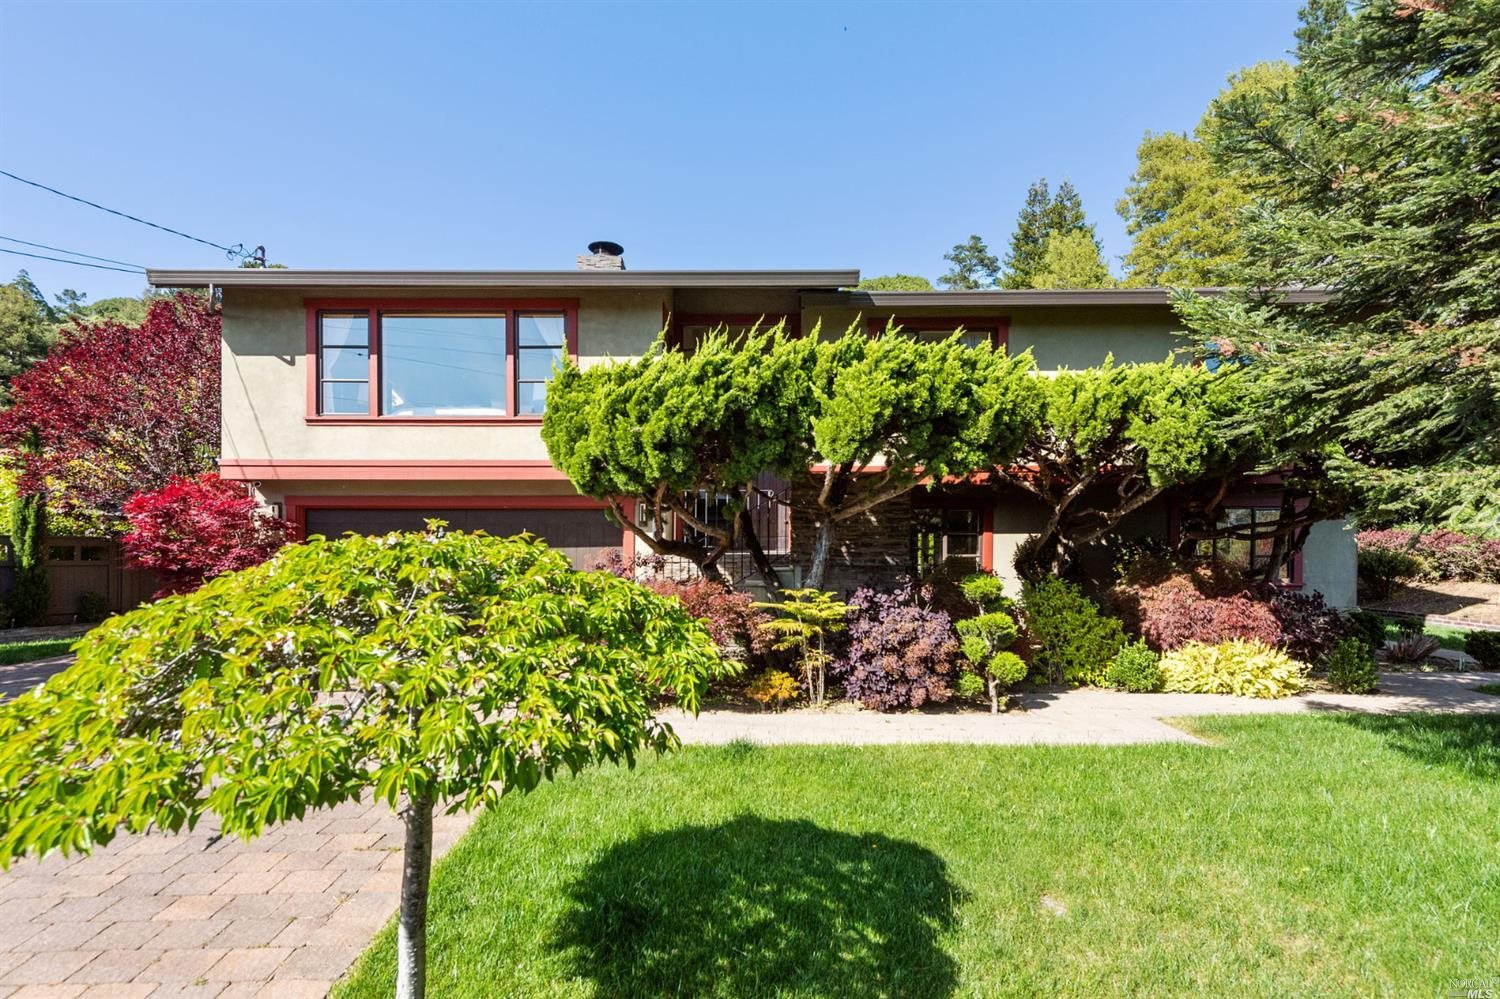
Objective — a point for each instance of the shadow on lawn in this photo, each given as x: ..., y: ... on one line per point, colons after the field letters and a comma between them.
x: 760, y: 907
x: 1468, y: 744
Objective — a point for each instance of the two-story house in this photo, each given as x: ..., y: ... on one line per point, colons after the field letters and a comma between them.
x: 371, y: 400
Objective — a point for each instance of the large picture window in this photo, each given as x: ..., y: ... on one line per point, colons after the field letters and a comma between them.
x: 436, y: 361
x: 1248, y: 539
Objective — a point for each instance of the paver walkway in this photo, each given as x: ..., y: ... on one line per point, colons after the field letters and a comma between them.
x: 286, y: 914
x: 193, y: 915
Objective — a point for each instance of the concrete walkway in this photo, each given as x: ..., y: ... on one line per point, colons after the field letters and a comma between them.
x: 285, y: 915
x: 1083, y: 716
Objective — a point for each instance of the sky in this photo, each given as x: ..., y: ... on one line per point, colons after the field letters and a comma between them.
x: 508, y: 136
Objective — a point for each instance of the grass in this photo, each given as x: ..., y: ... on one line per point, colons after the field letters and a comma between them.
x: 1316, y: 854
x: 25, y: 652
x: 1448, y: 636
x: 1489, y: 688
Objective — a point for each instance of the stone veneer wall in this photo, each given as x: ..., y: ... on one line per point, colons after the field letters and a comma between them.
x: 873, y: 548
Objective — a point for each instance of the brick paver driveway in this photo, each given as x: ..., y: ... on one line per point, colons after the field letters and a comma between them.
x: 193, y: 915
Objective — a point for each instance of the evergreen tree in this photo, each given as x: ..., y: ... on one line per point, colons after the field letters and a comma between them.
x: 974, y: 266
x: 1042, y: 216
x: 897, y: 282
x: 1375, y: 171
x: 1072, y: 260
x: 1029, y: 242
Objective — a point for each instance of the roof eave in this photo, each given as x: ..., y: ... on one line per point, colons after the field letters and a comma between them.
x: 1029, y: 297
x: 290, y: 278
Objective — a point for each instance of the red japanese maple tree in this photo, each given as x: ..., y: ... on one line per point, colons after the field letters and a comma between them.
x: 118, y: 410
x: 196, y: 528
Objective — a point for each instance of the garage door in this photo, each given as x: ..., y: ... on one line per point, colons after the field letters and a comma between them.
x: 582, y: 535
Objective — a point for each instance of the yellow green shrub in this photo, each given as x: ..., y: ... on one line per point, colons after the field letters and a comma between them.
x: 1239, y: 667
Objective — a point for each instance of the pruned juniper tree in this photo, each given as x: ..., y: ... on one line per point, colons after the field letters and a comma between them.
x: 867, y: 417
x: 1110, y: 440
x: 1374, y: 174
x: 432, y: 670
x: 890, y: 411
x: 656, y: 432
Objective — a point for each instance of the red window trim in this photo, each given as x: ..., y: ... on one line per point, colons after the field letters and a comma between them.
x: 373, y: 307
x: 297, y: 506
x: 676, y: 323
x: 998, y: 326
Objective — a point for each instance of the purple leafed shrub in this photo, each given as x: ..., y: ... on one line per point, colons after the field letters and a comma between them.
x: 901, y: 653
x: 1309, y: 627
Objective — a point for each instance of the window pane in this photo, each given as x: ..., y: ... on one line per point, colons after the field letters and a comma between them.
x: 536, y: 363
x: 531, y: 398
x: 346, y: 363
x: 442, y: 365
x: 60, y: 553
x: 971, y: 338
x: 346, y: 330
x: 346, y: 397
x: 961, y: 520
x: 539, y: 331
x: 963, y: 544
x: 93, y: 553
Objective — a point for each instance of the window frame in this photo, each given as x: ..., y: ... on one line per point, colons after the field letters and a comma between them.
x: 509, y: 308
x: 1245, y: 501
x: 998, y: 327
x: 939, y: 503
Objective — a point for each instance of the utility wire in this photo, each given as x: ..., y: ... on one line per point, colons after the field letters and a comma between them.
x: 238, y: 250
x: 75, y: 263
x: 71, y: 253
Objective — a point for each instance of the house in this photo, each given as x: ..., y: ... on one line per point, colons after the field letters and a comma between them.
x: 373, y: 400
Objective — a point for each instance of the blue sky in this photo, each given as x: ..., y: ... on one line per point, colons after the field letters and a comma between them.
x: 508, y: 136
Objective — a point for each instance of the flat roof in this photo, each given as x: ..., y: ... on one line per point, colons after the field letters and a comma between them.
x: 1031, y: 297
x: 294, y: 278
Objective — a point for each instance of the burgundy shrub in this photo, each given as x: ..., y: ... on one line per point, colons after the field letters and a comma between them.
x: 730, y: 616
x: 1443, y: 554
x: 193, y: 529
x: 901, y: 653
x: 1309, y: 627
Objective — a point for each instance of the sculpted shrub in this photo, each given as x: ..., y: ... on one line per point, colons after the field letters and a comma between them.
x: 1136, y: 668
x: 985, y: 637
x: 1484, y: 646
x: 901, y: 653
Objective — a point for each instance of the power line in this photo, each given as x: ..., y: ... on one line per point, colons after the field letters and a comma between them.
x: 237, y: 250
x: 75, y: 263
x: 71, y: 253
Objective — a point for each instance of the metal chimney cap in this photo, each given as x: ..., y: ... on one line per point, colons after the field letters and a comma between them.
x: 605, y: 246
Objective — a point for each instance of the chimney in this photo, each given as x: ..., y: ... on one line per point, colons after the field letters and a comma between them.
x: 602, y: 256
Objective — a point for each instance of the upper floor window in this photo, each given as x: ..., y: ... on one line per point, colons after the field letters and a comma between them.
x: 689, y: 330
x: 933, y: 330
x: 438, y: 360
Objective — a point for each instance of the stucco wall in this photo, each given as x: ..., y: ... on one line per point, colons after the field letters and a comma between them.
x: 1056, y: 337
x: 1328, y: 563
x: 265, y: 382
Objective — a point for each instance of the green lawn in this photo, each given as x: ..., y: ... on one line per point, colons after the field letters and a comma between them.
x: 1448, y: 636
x: 25, y: 652
x: 1297, y: 855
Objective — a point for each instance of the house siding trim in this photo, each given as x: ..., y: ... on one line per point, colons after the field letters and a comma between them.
x: 385, y: 470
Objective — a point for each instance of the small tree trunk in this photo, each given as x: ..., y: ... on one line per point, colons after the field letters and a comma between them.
x: 994, y: 697
x: 411, y: 930
x: 822, y: 552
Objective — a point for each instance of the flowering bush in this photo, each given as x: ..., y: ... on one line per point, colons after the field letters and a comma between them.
x: 901, y: 653
x: 196, y: 528
x: 1437, y: 554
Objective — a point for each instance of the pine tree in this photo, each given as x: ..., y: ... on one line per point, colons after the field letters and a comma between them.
x: 974, y: 266
x: 1376, y: 176
x: 1042, y: 217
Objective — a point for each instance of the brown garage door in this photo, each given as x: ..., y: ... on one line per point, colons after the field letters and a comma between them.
x: 582, y: 535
